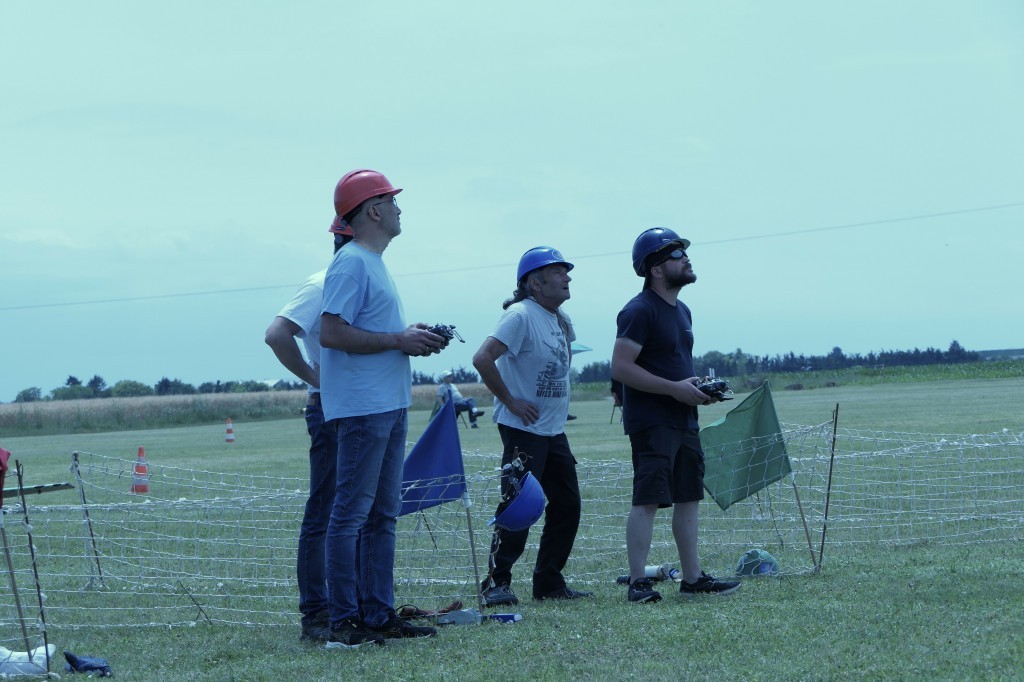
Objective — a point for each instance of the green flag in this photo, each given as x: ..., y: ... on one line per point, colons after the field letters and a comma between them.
x: 744, y: 451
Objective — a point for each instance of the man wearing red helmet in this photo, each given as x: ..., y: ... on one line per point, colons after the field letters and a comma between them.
x: 300, y: 319
x: 653, y: 358
x: 366, y: 385
x: 525, y: 364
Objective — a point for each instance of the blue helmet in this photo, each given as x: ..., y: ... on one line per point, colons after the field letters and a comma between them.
x: 524, y: 509
x: 757, y: 562
x: 539, y: 257
x: 651, y: 241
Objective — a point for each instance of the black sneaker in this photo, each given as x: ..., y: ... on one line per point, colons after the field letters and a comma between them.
x: 352, y: 634
x: 399, y: 628
x: 317, y: 628
x: 563, y: 592
x: 707, y: 584
x: 642, y: 592
x: 500, y: 595
x: 477, y: 413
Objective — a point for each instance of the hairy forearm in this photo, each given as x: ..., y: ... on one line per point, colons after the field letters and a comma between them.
x: 336, y: 334
x: 635, y: 376
x: 489, y: 374
x: 289, y: 355
x: 280, y: 336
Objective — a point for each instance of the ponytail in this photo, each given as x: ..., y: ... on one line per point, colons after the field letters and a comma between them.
x: 520, y: 294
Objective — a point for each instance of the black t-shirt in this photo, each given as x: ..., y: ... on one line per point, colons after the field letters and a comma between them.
x: 665, y: 334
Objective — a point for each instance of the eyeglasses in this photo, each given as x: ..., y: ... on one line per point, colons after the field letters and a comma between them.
x: 390, y: 200
x: 676, y: 254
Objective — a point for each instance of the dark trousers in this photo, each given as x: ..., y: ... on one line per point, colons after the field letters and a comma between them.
x: 553, y: 465
x: 312, y: 565
x: 467, y: 405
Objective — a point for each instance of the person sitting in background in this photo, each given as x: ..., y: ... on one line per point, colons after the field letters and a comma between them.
x: 447, y: 389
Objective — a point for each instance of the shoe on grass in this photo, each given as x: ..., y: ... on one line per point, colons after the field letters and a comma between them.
x: 500, y: 595
x: 317, y: 628
x: 641, y: 591
x: 563, y: 592
x: 707, y: 584
x: 399, y: 628
x: 352, y: 634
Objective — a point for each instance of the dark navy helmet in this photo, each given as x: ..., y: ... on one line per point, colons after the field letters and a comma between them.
x: 652, y: 241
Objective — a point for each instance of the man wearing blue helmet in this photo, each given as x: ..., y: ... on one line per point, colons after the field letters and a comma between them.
x: 653, y: 358
x: 525, y: 364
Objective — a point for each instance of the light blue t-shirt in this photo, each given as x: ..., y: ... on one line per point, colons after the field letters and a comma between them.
x: 536, y: 366
x: 359, y: 289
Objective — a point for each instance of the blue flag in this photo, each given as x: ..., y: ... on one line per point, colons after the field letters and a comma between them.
x: 433, y: 471
x: 744, y: 451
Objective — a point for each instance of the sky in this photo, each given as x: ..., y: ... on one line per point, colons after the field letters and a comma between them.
x: 849, y: 174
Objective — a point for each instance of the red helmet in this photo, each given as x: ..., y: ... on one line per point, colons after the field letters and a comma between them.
x: 339, y: 226
x: 359, y: 185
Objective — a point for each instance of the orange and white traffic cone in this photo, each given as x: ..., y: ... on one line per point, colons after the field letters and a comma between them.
x: 140, y: 474
x: 230, y: 437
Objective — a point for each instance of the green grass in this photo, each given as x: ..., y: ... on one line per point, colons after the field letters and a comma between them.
x: 873, y: 376
x: 934, y: 610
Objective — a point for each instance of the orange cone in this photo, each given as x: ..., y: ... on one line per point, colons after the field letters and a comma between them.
x: 230, y: 437
x: 140, y: 474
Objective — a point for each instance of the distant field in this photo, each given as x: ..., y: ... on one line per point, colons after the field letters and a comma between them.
x: 966, y: 406
x: 116, y: 414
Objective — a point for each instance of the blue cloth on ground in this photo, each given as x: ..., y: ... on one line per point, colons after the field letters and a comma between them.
x: 87, y: 664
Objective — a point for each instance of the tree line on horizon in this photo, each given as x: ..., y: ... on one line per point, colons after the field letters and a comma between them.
x: 739, y: 363
x: 723, y: 364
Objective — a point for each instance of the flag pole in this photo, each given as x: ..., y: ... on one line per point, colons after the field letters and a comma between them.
x: 20, y: 470
x: 828, y: 489
x: 467, y: 503
x: 14, y: 584
x: 807, y: 532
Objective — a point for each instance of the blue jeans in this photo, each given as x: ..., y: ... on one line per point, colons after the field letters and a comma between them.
x: 312, y: 562
x: 361, y: 533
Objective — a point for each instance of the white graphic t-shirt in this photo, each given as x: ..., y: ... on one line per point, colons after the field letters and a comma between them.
x: 536, y: 366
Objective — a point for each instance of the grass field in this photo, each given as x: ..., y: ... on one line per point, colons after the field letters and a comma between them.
x: 935, y: 610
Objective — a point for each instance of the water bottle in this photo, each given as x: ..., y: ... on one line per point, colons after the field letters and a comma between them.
x: 460, y: 617
x: 506, y: 617
x: 663, y: 572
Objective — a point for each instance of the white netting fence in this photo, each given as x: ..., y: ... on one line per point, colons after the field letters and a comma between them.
x: 220, y: 547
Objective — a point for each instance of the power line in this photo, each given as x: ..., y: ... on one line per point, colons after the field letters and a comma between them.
x: 868, y: 223
x: 148, y: 298
x: 472, y: 268
x: 772, y: 235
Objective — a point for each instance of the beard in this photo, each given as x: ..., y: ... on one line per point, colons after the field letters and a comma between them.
x: 687, y: 276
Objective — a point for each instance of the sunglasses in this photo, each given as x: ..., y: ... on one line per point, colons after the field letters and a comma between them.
x: 675, y: 254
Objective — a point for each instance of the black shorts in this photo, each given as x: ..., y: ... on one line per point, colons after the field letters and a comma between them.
x: 668, y: 466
